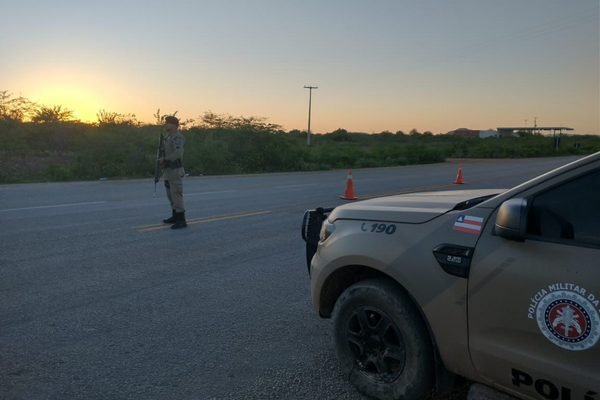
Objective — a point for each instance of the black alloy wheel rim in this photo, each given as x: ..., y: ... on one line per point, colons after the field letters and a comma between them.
x: 375, y: 344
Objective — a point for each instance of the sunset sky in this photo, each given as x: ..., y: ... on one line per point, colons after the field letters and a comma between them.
x: 380, y: 65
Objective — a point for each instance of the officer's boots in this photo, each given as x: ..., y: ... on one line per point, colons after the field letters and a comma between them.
x: 172, y: 219
x: 180, y: 223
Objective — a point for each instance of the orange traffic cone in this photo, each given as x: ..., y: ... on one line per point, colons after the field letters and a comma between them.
x: 349, y: 193
x: 459, y: 179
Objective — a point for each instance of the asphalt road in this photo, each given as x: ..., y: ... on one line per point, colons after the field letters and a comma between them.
x: 100, y: 300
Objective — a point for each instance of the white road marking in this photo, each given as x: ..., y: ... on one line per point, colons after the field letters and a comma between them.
x: 59, y: 205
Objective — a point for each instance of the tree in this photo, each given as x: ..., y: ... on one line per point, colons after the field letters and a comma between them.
x: 160, y: 119
x: 339, y: 135
x: 414, y: 132
x: 386, y: 135
x: 298, y: 134
x: 45, y: 114
x: 106, y: 118
x: 15, y: 110
x: 211, y: 120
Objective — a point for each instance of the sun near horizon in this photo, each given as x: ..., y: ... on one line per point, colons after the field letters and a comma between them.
x: 82, y: 104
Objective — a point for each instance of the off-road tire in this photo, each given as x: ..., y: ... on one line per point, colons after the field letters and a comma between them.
x: 381, y: 341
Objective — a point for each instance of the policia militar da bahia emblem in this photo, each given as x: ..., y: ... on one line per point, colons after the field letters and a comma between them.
x: 567, y: 315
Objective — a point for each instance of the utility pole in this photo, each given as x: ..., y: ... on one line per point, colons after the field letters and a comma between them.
x: 557, y: 140
x: 534, y: 123
x: 310, y: 88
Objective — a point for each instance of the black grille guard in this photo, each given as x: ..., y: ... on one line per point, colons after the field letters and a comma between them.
x: 311, y: 227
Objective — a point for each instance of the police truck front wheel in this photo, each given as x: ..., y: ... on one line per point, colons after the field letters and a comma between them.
x: 381, y: 341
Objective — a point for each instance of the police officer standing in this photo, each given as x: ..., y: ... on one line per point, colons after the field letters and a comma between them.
x: 174, y: 172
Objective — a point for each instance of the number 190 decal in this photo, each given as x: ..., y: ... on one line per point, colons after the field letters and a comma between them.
x: 379, y: 228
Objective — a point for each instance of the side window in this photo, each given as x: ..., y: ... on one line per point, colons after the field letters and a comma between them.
x: 568, y: 213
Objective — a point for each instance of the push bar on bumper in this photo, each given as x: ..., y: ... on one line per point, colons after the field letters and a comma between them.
x: 311, y: 227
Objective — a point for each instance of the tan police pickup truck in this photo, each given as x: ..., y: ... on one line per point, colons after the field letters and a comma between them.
x: 500, y: 287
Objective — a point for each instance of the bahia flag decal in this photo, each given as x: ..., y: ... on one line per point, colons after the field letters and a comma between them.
x: 466, y: 223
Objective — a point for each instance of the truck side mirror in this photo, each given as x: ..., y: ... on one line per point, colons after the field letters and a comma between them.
x: 511, y: 222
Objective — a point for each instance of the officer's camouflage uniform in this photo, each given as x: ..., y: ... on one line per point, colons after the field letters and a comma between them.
x: 174, y: 172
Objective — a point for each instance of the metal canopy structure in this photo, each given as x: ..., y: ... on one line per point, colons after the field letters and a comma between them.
x: 511, y: 130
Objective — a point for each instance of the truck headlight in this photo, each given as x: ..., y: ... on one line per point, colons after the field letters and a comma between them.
x: 326, y: 230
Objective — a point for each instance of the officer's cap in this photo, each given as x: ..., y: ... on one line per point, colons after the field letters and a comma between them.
x: 172, y: 120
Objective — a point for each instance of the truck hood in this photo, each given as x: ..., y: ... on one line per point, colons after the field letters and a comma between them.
x: 413, y: 208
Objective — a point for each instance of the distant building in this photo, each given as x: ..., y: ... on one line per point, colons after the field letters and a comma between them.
x: 470, y: 133
x: 511, y: 131
x: 487, y: 134
x: 508, y: 131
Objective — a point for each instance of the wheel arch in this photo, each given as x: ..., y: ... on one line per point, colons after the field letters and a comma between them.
x: 342, y: 278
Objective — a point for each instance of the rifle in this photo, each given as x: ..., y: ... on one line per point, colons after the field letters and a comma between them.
x: 160, y: 151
